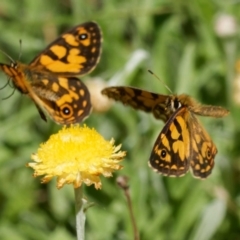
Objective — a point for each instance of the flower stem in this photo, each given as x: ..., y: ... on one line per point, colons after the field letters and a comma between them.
x: 122, y: 182
x: 80, y: 214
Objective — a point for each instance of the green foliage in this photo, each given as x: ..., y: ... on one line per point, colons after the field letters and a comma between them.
x: 177, y: 40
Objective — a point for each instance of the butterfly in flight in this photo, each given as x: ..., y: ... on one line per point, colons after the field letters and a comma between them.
x: 183, y: 143
x: 50, y: 79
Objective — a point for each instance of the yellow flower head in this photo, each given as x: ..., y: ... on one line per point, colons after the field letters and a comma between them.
x: 76, y: 155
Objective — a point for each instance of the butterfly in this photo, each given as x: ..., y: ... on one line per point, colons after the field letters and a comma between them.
x: 183, y: 143
x: 50, y: 78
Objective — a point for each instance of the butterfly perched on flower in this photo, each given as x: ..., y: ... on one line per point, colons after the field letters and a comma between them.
x: 183, y: 143
x: 50, y: 78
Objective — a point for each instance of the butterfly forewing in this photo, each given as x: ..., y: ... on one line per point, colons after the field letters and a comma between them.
x: 136, y: 98
x: 76, y: 52
x: 209, y: 111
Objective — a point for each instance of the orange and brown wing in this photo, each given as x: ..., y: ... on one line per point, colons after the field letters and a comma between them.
x: 65, y: 99
x: 203, y: 150
x: 134, y: 97
x: 76, y: 52
x: 171, y: 151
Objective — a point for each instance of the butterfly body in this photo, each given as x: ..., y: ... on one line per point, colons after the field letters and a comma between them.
x: 50, y: 79
x: 183, y: 143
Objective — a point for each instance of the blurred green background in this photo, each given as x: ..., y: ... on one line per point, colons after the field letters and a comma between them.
x: 193, y: 46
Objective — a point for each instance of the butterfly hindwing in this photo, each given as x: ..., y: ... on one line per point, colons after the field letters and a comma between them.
x: 170, y: 154
x: 203, y: 150
x: 69, y: 102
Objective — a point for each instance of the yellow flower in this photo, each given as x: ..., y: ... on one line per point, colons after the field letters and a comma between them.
x: 76, y: 155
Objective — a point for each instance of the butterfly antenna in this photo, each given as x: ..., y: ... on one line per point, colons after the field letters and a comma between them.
x: 166, y: 86
x: 20, y: 53
x: 7, y: 56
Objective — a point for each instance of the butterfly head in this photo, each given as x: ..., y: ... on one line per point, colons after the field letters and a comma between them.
x: 14, y: 65
x: 163, y: 110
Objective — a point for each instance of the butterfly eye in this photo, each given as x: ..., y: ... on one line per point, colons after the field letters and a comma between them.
x: 176, y: 104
